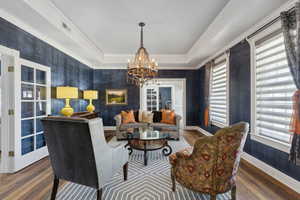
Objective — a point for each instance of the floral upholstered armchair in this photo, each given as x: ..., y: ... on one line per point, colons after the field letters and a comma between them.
x: 211, y: 165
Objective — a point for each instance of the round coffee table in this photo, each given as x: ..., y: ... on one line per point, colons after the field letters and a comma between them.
x: 148, y: 140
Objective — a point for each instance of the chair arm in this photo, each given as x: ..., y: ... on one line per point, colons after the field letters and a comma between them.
x: 120, y: 156
x: 181, y: 155
x: 118, y: 119
x: 201, y: 160
x: 177, y: 119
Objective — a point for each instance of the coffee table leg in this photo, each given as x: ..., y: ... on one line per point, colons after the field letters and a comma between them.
x: 128, y: 148
x: 145, y: 155
x: 167, y: 150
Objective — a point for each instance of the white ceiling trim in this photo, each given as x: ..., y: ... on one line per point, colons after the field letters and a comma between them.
x: 55, y: 17
x: 21, y: 24
x: 243, y: 36
x: 166, y: 66
x: 161, y: 59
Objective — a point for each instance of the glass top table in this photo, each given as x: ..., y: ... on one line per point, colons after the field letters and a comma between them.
x: 147, y: 139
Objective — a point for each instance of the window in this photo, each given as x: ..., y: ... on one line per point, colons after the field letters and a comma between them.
x: 218, y: 94
x: 274, y: 88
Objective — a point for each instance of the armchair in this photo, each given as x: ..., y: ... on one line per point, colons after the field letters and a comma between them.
x: 211, y: 165
x: 79, y: 153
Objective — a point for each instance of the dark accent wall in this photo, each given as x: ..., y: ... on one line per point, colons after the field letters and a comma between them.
x: 116, y: 79
x: 240, y: 110
x: 65, y: 70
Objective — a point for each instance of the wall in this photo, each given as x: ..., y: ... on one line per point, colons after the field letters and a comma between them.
x: 65, y: 70
x: 116, y: 79
x: 240, y: 107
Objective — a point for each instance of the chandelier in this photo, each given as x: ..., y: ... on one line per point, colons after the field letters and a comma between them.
x: 141, y: 69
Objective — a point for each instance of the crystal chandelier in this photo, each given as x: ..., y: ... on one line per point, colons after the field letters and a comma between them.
x: 141, y: 69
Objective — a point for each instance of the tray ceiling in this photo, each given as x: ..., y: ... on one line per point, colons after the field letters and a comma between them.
x: 103, y: 34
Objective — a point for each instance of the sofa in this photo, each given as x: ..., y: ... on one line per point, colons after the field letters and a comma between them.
x: 172, y: 129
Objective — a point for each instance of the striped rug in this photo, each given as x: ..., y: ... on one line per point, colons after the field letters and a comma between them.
x: 150, y: 182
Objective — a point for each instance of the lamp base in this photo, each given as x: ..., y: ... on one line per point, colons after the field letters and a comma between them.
x: 67, y: 111
x: 90, y: 108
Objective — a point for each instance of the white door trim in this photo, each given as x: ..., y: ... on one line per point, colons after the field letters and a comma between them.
x: 9, y: 57
x: 183, y: 83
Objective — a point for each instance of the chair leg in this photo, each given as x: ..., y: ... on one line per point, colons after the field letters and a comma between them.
x: 55, y: 187
x: 99, y: 194
x: 173, y: 182
x: 125, y: 171
x: 213, y: 197
x: 233, y: 193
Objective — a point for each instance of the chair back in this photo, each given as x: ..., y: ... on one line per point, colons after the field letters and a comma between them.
x: 230, y: 141
x: 71, y: 149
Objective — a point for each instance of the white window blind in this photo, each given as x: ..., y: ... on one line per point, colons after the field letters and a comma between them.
x: 274, y: 88
x: 218, y: 94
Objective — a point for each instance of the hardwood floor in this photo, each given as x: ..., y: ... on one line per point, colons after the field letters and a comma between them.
x: 35, y: 182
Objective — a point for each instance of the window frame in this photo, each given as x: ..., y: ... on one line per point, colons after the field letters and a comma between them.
x: 218, y: 61
x: 282, y: 146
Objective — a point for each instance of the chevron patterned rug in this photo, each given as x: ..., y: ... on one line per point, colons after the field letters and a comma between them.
x: 150, y: 182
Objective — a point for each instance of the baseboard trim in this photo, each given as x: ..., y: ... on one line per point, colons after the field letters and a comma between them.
x: 109, y: 128
x: 192, y: 128
x: 270, y: 172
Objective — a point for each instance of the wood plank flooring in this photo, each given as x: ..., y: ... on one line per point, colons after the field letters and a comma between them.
x: 35, y: 182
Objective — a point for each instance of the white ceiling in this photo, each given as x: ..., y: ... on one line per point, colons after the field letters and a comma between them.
x: 172, y: 26
x: 105, y: 33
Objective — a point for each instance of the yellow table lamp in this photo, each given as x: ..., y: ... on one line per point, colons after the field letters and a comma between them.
x: 90, y: 95
x: 67, y: 93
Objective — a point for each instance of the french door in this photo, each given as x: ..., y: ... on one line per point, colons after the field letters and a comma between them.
x: 158, y: 97
x: 168, y: 93
x: 34, y: 97
x: 25, y: 99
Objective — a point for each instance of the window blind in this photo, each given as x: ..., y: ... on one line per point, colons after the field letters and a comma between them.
x: 218, y: 94
x: 274, y: 88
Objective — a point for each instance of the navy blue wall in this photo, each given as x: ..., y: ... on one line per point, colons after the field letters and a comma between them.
x: 116, y: 79
x: 240, y: 107
x: 65, y: 70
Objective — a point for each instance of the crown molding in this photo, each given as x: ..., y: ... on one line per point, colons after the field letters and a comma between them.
x: 48, y: 10
x: 160, y: 67
x: 160, y: 58
x: 26, y: 27
x: 244, y: 35
x: 98, y: 60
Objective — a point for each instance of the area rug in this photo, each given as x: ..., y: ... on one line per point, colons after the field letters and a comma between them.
x: 150, y: 182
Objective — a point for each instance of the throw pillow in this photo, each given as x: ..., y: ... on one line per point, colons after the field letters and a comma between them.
x: 147, y: 117
x: 157, y: 116
x: 127, y: 117
x: 168, y: 117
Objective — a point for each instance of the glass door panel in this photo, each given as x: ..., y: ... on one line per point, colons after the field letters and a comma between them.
x: 165, y: 98
x: 33, y: 108
x: 27, y: 74
x: 151, y: 99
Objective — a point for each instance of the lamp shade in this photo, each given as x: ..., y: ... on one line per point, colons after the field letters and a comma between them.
x: 90, y: 94
x: 66, y: 92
